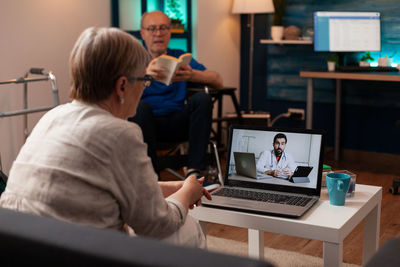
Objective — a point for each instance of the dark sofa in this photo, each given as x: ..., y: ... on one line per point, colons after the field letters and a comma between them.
x: 40, y: 241
x: 388, y: 255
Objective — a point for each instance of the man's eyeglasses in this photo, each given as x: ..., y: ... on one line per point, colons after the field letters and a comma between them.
x: 162, y: 28
x: 148, y: 80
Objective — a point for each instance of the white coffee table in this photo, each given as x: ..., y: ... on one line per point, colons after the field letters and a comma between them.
x: 325, y: 222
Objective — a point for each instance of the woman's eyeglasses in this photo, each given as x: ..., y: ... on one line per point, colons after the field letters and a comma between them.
x: 148, y: 80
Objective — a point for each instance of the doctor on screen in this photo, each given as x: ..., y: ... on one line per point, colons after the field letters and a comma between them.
x: 277, y: 162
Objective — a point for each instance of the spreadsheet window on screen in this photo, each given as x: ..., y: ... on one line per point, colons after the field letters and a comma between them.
x: 347, y: 31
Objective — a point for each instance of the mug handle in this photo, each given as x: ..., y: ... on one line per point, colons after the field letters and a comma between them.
x: 340, y: 185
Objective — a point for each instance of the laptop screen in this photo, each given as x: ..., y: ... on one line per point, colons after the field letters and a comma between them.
x: 288, y: 160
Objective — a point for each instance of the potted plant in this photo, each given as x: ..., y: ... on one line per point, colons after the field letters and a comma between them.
x: 332, y: 61
x: 177, y: 26
x: 277, y: 28
x: 364, y: 62
x: 174, y: 11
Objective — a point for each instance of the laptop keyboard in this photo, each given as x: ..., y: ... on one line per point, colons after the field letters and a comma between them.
x: 263, y: 197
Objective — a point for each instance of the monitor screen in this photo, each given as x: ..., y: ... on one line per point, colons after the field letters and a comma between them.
x: 347, y: 31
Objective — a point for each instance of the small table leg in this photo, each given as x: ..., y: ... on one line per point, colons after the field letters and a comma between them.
x: 256, y: 244
x: 203, y: 226
x: 371, y: 233
x: 333, y: 254
x: 337, y: 117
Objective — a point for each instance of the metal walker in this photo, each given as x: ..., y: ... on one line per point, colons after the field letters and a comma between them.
x: 25, y: 111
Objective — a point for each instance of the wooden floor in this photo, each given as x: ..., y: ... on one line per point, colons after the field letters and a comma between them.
x: 371, y: 169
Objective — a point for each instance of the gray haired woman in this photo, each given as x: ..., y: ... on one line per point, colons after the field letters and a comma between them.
x: 84, y: 163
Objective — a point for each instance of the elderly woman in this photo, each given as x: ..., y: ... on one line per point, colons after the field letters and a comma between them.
x: 84, y: 163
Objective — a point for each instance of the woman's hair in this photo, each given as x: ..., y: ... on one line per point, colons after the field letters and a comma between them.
x: 101, y: 56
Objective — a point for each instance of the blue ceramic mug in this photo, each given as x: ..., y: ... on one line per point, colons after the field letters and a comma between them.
x: 338, y: 185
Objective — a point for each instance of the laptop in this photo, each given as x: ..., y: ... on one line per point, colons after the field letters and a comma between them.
x: 245, y: 164
x: 279, y: 197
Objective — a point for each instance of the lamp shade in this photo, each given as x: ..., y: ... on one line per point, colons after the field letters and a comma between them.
x: 252, y: 6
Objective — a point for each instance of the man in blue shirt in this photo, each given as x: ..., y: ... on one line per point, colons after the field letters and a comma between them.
x: 277, y: 162
x: 163, y: 113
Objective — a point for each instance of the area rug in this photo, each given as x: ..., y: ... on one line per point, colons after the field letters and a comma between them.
x: 280, y: 258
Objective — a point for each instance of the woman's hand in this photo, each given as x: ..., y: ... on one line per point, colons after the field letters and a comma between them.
x: 205, y: 193
x: 196, y: 189
x: 170, y: 187
x: 191, y: 192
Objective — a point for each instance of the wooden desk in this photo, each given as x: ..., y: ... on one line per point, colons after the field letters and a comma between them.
x: 339, y: 76
x: 325, y: 222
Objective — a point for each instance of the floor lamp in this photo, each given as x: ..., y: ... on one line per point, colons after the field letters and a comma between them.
x: 251, y: 7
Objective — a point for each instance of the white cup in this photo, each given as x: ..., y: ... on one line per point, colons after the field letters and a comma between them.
x: 385, y: 61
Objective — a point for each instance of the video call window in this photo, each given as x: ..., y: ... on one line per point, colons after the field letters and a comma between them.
x: 249, y: 145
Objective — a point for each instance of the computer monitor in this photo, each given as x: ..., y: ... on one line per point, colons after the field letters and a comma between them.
x: 347, y: 31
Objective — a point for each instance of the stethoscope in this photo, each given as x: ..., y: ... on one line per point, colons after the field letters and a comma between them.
x: 273, y: 157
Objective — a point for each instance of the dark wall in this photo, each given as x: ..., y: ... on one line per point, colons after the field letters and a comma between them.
x: 370, y: 109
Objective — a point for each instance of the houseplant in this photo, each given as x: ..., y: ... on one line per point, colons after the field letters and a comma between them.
x: 174, y: 12
x: 364, y: 62
x: 332, y: 61
x: 277, y: 28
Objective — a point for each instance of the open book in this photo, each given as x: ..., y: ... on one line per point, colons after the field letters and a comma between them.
x: 171, y: 64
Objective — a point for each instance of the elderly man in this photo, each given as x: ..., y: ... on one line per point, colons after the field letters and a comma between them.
x: 163, y: 113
